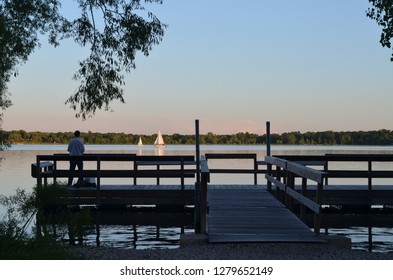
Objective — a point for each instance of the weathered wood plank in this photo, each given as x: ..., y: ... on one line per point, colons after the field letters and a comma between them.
x: 160, y: 162
x: 305, y: 172
x: 111, y: 173
x: 304, y: 200
x: 230, y: 156
x: 232, y: 171
x: 352, y: 194
x: 311, y: 162
x: 277, y: 183
x: 276, y: 161
x: 253, y: 216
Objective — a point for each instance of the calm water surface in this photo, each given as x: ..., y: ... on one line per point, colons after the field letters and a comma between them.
x: 15, y: 172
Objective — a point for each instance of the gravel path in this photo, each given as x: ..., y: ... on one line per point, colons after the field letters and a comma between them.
x: 234, y: 251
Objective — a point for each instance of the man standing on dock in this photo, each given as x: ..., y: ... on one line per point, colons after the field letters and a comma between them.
x: 76, y: 148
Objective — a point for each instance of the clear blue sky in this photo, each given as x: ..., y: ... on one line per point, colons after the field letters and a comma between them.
x: 303, y: 65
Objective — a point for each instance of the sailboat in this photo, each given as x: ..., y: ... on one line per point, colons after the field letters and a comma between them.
x: 159, y: 140
x: 140, y: 142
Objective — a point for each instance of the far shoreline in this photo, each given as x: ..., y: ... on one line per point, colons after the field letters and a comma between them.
x: 367, y: 138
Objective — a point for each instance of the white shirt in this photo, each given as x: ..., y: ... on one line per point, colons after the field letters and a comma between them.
x: 76, y: 147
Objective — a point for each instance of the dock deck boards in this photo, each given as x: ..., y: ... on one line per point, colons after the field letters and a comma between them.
x: 251, y: 214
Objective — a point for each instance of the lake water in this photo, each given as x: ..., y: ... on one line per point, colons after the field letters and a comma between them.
x: 15, y: 172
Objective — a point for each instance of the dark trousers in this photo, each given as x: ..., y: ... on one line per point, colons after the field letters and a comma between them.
x: 73, y: 165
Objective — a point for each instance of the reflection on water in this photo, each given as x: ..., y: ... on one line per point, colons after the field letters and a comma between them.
x: 137, y: 236
x: 382, y: 238
x: 15, y: 173
x: 145, y: 228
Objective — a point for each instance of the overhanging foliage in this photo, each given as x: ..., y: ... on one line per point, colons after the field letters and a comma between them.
x: 113, y: 30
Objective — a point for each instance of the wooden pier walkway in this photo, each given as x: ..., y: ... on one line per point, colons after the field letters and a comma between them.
x: 251, y: 214
x: 237, y: 213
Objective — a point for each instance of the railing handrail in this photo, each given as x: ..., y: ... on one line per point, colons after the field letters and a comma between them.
x: 292, y: 166
x: 297, y: 169
x: 292, y: 170
x: 306, y: 172
x: 368, y: 171
x: 230, y: 156
x: 250, y: 156
x: 276, y: 161
x: 338, y: 157
x: 50, y: 170
x: 116, y: 157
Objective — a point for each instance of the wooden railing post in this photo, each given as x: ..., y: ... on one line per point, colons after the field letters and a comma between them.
x: 38, y: 168
x: 135, y: 170
x: 369, y: 183
x: 268, y: 153
x: 255, y: 170
x: 278, y: 177
x: 201, y: 207
x: 182, y: 173
x: 268, y: 138
x: 317, y: 216
x: 326, y: 170
x: 197, y: 152
x: 290, y: 185
x: 98, y: 193
x: 197, y: 208
x: 55, y: 168
x: 369, y: 203
x: 303, y: 192
x: 158, y: 176
x: 203, y: 203
x: 269, y: 172
x: 284, y: 192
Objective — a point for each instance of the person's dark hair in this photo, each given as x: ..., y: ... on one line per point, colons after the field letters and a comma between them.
x: 77, y: 133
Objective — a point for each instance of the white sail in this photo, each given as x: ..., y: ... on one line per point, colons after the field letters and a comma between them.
x: 140, y: 142
x: 159, y: 140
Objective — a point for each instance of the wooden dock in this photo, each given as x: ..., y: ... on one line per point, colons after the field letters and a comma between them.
x: 251, y: 214
x: 238, y: 213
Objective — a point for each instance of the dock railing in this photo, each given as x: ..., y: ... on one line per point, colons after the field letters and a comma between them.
x: 357, y: 167
x: 201, y: 207
x: 283, y: 178
x: 47, y: 166
x: 239, y: 156
x: 369, y: 172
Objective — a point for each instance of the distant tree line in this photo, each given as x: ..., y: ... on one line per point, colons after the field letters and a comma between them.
x: 376, y: 137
